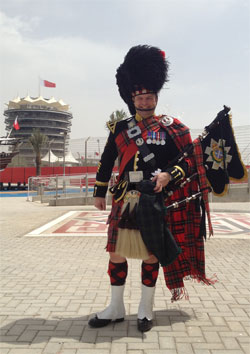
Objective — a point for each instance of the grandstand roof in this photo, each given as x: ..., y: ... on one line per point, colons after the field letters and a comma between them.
x: 17, y: 102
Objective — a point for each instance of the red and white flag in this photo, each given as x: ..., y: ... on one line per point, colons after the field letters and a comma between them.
x: 16, y: 124
x: 47, y: 83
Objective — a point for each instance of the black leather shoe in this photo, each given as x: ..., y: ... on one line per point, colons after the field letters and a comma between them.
x: 144, y: 325
x: 96, y: 322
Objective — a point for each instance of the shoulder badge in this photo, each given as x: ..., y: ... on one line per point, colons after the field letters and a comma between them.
x: 167, y: 121
x: 111, y: 126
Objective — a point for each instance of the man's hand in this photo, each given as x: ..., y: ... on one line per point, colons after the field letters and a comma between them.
x: 100, y: 203
x: 162, y: 179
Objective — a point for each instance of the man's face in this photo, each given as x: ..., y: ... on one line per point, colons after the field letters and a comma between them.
x: 145, y: 104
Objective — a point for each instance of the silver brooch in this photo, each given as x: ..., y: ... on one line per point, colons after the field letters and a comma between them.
x: 166, y: 121
x: 139, y: 141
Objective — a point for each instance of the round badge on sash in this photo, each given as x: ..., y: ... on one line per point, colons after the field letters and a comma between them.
x: 166, y: 121
x: 139, y: 141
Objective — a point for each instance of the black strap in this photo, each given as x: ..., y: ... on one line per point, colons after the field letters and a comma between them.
x: 134, y: 132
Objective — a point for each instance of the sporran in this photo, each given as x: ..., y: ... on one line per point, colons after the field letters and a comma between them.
x: 129, y: 242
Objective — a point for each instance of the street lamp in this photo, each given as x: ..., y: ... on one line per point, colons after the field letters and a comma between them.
x: 50, y: 142
x: 98, y: 142
x: 86, y: 149
x: 64, y: 148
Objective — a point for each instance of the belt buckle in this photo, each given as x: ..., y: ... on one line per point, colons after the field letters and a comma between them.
x: 134, y: 131
x: 135, y: 176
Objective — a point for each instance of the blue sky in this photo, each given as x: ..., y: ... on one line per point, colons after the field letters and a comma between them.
x: 79, y: 44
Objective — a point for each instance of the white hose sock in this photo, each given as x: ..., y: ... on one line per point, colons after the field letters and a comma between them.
x: 146, y: 303
x: 116, y: 309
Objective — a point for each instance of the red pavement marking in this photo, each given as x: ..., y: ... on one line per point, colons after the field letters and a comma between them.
x: 78, y: 226
x: 85, y: 223
x: 90, y: 222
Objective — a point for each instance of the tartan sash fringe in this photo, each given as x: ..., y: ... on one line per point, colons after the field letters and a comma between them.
x: 182, y: 293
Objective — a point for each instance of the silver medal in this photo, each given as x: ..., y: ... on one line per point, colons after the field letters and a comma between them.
x: 149, y: 141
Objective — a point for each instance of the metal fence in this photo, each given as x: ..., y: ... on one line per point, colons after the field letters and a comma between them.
x: 45, y: 188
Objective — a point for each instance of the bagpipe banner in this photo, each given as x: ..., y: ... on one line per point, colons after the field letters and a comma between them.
x: 221, y: 156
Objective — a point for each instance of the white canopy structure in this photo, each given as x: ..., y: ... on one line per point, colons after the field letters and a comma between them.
x: 69, y: 158
x: 50, y: 157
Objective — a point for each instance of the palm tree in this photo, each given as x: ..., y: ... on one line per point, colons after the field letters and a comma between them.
x: 117, y: 115
x: 38, y: 140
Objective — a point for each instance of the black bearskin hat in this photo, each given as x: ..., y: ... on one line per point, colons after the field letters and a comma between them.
x: 144, y: 70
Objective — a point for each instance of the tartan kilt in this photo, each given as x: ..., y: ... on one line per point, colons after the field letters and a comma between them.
x: 184, y: 223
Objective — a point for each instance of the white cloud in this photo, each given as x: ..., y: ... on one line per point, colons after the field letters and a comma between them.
x: 80, y: 48
x: 83, y: 71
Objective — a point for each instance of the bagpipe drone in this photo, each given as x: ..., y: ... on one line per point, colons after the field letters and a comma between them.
x: 217, y: 157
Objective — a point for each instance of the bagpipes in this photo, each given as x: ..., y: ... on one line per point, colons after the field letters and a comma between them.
x: 217, y: 157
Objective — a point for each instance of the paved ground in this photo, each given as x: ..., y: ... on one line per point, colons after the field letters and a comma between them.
x: 51, y: 285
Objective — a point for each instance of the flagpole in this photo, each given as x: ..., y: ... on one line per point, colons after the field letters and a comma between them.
x: 10, y: 132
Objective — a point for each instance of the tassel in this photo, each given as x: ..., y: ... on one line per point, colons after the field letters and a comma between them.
x: 129, y: 242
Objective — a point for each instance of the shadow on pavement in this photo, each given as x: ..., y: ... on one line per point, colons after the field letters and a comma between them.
x: 38, y: 330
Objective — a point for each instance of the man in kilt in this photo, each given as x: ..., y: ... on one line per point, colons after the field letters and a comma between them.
x: 148, y: 148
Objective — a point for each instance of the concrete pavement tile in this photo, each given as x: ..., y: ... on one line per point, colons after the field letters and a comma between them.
x: 25, y: 351
x: 16, y: 329
x: 184, y: 348
x: 167, y: 343
x: 89, y: 336
x: 150, y: 337
x: 212, y: 337
x: 27, y: 336
x: 52, y: 348
x: 103, y: 345
x: 245, y: 348
x: 190, y: 340
x: 218, y: 320
x: 111, y: 333
x: 208, y: 346
x: 143, y: 346
x: 172, y: 334
x: 227, y: 351
x: 233, y: 334
x: 230, y: 343
x: 235, y: 326
x: 159, y: 351
x: 120, y: 348
x: 9, y: 338
x: 194, y: 331
x: 75, y: 331
x: 92, y: 351
x: 214, y: 328
x: 128, y: 339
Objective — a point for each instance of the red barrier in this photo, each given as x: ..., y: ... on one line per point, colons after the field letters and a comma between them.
x: 5, y: 175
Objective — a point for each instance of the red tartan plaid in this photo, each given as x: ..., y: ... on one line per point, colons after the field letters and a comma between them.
x: 198, y: 154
